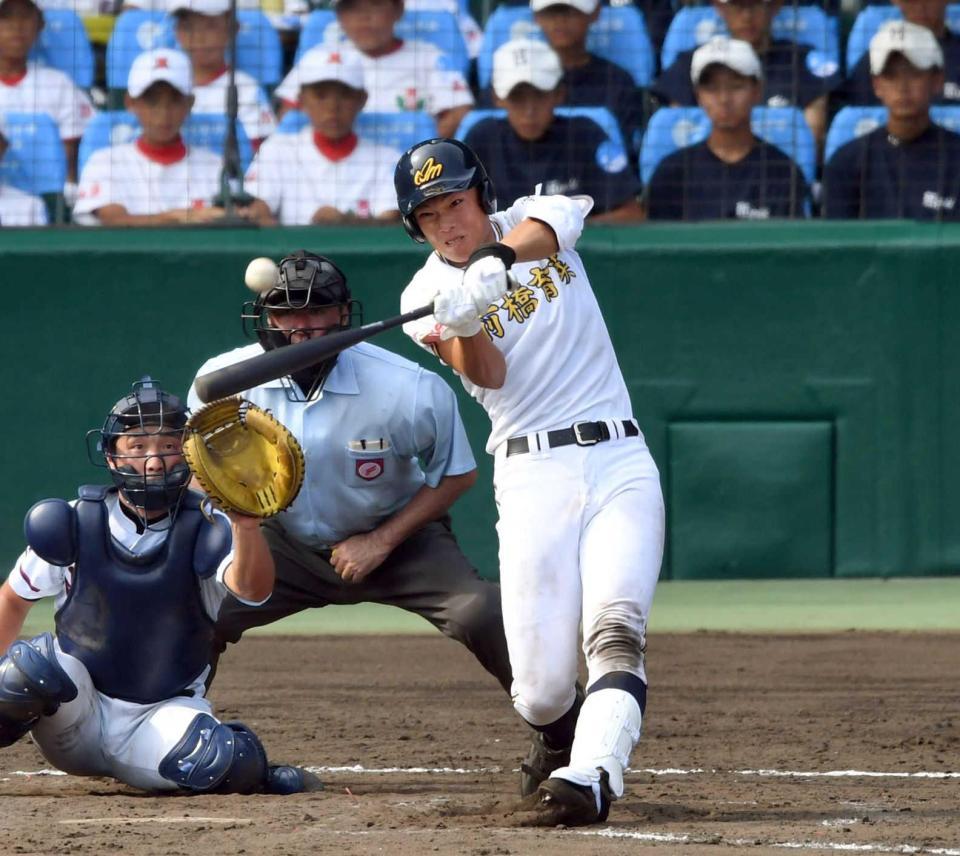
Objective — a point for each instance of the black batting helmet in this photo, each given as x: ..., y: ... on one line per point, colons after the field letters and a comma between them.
x: 435, y: 167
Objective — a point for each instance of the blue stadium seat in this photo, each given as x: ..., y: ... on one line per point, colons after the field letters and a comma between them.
x: 135, y: 31
x: 202, y: 130
x: 807, y: 25
x: 619, y: 35
x: 853, y: 122
x: 672, y: 128
x: 397, y: 130
x: 35, y: 161
x: 600, y: 115
x: 259, y: 52
x: 437, y: 28
x: 63, y: 45
x: 871, y: 18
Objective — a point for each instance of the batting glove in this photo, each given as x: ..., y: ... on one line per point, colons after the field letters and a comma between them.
x: 456, y: 311
x: 486, y: 277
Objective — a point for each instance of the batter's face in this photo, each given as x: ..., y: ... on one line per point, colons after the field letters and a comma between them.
x: 455, y: 224
x: 162, y: 110
x: 931, y: 14
x: 332, y: 107
x: 727, y: 97
x: 20, y: 24
x: 302, y: 324
x: 530, y: 110
x: 204, y: 38
x: 748, y: 20
x: 564, y: 26
x: 369, y: 23
x: 905, y: 90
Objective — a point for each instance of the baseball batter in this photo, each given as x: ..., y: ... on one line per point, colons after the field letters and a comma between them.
x: 581, y: 518
x: 138, y: 571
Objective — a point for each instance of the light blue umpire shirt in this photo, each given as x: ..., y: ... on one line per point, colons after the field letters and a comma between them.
x: 381, y: 428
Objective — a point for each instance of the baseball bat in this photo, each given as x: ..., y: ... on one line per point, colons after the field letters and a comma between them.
x: 279, y: 362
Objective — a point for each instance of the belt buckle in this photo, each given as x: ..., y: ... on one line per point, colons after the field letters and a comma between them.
x: 581, y: 440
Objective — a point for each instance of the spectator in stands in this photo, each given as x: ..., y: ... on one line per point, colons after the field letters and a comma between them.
x: 589, y: 80
x: 534, y: 146
x: 155, y: 180
x: 398, y: 75
x: 731, y: 174
x: 16, y: 207
x: 932, y: 14
x: 203, y: 30
x: 908, y: 168
x: 28, y: 87
x: 324, y: 173
x: 793, y: 74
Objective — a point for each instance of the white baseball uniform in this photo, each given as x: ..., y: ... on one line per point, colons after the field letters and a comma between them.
x: 95, y: 734
x: 47, y: 90
x: 146, y: 182
x: 295, y: 174
x: 413, y: 77
x: 581, y: 528
x: 21, y: 209
x: 253, y: 108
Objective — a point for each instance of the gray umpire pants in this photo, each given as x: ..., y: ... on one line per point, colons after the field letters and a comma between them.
x: 427, y: 574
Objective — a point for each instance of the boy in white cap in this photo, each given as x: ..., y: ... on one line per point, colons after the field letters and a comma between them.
x: 932, y: 14
x: 28, y: 87
x: 203, y: 30
x: 325, y: 173
x: 399, y: 75
x: 533, y: 146
x: 155, y: 180
x: 16, y: 207
x: 732, y: 174
x: 908, y: 168
x: 793, y: 74
x: 588, y: 79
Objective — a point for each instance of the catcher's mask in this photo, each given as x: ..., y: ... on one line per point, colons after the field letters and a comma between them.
x: 304, y: 281
x: 142, y: 416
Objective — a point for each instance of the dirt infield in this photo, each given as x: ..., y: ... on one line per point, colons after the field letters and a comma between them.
x: 418, y: 747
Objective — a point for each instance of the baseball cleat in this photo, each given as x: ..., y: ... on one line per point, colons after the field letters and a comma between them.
x: 558, y: 802
x: 540, y: 762
x: 283, y: 780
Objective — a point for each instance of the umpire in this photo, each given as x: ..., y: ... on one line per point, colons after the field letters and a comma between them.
x: 386, y: 456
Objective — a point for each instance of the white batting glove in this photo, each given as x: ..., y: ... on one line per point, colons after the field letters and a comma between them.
x: 486, y: 276
x: 456, y: 311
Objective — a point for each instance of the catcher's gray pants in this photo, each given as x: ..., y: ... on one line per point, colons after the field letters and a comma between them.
x: 427, y: 574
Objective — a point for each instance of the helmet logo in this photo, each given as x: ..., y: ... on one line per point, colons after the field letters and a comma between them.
x: 430, y: 170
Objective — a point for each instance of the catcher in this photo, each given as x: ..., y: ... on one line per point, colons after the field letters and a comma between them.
x: 138, y: 570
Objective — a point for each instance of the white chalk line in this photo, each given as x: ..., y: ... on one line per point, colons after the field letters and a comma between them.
x: 654, y: 771
x: 832, y: 846
x: 108, y: 821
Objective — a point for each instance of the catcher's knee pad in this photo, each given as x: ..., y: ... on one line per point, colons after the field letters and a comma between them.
x: 223, y: 756
x: 32, y: 684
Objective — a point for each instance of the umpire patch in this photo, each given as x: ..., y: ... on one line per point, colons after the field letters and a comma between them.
x: 369, y: 468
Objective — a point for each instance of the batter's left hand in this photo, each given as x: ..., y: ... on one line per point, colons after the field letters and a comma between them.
x: 359, y: 555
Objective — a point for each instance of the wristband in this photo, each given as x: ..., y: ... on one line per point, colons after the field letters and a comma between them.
x: 508, y: 255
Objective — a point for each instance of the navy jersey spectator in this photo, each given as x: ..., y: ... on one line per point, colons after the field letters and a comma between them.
x: 932, y: 14
x: 533, y: 146
x: 910, y: 167
x: 793, y: 74
x: 589, y: 80
x: 731, y: 174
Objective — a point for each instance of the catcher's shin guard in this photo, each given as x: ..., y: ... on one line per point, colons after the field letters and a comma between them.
x: 32, y: 684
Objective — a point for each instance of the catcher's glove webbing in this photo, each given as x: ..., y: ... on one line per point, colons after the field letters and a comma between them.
x: 243, y: 458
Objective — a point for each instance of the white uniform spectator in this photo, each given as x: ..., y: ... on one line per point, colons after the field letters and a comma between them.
x: 20, y: 209
x: 156, y: 179
x: 325, y: 173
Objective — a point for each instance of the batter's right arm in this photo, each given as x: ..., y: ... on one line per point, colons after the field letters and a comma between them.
x: 476, y: 358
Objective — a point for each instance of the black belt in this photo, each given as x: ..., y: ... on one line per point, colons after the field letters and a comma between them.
x: 581, y: 433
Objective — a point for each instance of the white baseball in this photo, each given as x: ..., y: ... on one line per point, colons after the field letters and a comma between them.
x: 261, y: 275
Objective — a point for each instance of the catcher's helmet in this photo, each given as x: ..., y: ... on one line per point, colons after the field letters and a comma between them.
x: 148, y: 411
x: 304, y: 281
x: 435, y: 167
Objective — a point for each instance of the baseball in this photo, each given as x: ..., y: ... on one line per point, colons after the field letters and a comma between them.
x: 261, y: 275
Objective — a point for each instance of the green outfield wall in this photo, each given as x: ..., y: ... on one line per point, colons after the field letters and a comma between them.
x: 798, y: 384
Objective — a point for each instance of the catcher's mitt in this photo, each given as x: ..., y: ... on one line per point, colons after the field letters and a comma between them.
x: 243, y: 458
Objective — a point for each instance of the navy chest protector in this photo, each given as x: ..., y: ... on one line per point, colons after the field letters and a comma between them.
x: 137, y: 622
